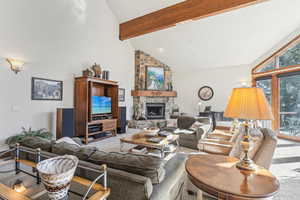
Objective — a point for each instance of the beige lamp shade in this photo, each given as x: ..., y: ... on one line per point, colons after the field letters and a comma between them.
x: 248, y: 103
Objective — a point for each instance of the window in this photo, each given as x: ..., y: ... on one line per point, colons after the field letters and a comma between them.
x: 291, y: 57
x: 279, y: 77
x: 290, y: 104
x: 267, y: 67
x: 266, y: 85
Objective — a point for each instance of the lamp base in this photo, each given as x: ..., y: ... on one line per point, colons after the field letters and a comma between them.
x: 246, y: 164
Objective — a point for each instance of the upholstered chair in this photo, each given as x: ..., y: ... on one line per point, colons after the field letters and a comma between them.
x: 197, y: 127
x: 262, y: 151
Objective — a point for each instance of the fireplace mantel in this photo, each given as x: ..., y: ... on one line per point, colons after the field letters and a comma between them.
x: 153, y: 93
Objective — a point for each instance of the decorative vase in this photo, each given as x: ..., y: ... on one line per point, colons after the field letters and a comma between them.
x: 56, y: 174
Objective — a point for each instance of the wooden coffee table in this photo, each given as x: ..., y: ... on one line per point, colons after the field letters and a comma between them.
x: 218, y: 176
x: 141, y: 140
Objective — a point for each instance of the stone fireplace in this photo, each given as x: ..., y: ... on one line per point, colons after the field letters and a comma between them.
x: 151, y: 105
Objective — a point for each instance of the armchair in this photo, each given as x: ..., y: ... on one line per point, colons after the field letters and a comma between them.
x: 262, y: 151
x: 197, y: 130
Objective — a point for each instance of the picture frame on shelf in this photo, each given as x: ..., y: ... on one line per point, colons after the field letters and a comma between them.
x: 155, y: 78
x: 122, y: 94
x: 46, y: 89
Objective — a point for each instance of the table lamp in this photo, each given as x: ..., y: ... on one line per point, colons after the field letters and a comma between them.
x: 248, y: 104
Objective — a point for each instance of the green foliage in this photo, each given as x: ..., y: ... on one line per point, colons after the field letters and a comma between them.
x: 291, y: 57
x: 43, y: 133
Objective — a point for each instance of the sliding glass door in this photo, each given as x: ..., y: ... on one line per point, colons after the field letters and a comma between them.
x: 289, y: 104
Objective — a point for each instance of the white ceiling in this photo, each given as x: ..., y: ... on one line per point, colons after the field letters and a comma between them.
x: 233, y: 38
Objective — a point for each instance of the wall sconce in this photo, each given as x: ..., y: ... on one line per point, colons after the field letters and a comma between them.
x: 15, y: 65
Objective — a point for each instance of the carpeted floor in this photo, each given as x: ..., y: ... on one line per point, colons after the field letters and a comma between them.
x: 286, y: 163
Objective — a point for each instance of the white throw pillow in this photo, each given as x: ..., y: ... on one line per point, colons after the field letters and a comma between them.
x: 67, y: 140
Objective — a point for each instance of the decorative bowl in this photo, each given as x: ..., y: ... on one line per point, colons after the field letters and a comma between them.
x: 56, y: 174
x: 151, y: 131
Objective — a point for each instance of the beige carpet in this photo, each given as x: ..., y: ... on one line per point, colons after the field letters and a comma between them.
x: 286, y: 163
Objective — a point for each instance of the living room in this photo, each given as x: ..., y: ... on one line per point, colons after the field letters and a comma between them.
x: 166, y: 69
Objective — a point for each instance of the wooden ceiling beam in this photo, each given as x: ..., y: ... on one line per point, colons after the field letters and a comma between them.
x: 181, y: 12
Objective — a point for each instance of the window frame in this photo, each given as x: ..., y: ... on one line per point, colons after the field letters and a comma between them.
x: 275, y: 74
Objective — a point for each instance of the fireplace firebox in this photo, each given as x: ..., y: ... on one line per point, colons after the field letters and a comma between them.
x: 155, y: 110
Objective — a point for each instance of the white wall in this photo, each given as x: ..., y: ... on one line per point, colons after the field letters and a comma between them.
x: 222, y: 80
x: 57, y: 39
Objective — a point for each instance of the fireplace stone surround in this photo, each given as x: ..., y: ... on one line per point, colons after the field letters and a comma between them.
x: 142, y: 60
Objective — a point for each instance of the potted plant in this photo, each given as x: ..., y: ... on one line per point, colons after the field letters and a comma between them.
x: 43, y: 133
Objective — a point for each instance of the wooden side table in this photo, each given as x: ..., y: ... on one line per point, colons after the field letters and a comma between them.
x: 218, y: 176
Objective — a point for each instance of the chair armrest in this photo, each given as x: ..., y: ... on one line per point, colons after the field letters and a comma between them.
x: 215, y: 147
x: 220, y: 136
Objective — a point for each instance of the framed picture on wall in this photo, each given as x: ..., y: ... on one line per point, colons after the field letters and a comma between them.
x: 155, y: 78
x: 121, y: 94
x: 46, y: 89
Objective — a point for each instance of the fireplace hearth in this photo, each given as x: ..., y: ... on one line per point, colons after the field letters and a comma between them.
x: 155, y: 110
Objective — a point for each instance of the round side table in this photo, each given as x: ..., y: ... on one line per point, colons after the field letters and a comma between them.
x: 218, y: 176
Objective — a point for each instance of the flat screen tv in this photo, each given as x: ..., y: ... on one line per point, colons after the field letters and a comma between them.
x: 101, y: 105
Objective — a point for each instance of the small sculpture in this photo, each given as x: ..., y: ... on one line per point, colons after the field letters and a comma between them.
x: 97, y: 70
x: 87, y: 73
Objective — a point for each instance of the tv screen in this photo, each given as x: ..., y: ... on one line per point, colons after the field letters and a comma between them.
x: 101, y: 105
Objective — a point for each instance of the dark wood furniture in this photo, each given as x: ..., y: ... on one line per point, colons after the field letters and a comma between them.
x: 218, y: 176
x: 85, y: 88
x: 65, y: 122
x: 122, y: 120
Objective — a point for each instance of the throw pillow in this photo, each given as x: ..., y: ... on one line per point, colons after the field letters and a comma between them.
x: 64, y: 148
x: 67, y: 140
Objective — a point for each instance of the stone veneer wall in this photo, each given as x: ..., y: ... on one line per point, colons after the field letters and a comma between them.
x: 142, y: 60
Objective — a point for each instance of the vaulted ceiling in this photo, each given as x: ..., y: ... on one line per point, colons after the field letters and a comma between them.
x: 234, y: 38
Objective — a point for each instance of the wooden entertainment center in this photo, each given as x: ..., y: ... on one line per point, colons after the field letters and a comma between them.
x: 88, y: 124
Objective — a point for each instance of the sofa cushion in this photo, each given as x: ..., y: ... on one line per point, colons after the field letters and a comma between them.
x: 82, y: 152
x: 36, y: 142
x: 149, y: 166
